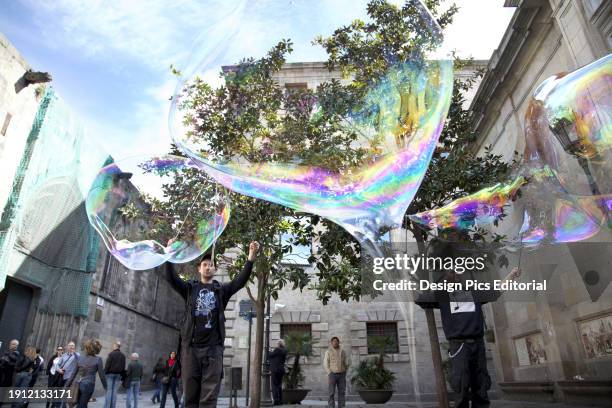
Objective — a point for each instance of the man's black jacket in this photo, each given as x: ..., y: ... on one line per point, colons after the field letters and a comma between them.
x: 277, y: 359
x: 223, y: 293
x: 115, y: 363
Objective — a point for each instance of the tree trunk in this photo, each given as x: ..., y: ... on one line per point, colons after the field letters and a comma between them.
x: 260, y: 304
x: 434, y: 342
x: 436, y: 357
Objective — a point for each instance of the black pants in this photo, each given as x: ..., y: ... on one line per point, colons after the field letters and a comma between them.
x: 202, y: 372
x: 171, y: 386
x: 469, y: 373
x: 6, y: 380
x: 277, y: 387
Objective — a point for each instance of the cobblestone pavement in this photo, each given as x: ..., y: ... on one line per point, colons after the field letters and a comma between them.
x: 145, y: 402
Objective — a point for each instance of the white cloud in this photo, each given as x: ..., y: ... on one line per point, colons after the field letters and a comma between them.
x: 153, y: 32
x: 117, y: 35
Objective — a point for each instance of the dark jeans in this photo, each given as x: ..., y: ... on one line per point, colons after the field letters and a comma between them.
x: 202, y: 373
x: 172, y: 387
x: 22, y: 380
x: 86, y: 389
x: 277, y: 387
x: 6, y: 380
x: 469, y: 372
x: 158, y: 387
x: 60, y: 383
x: 336, y: 380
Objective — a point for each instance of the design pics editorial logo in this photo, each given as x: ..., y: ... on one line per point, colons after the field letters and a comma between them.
x: 404, y: 262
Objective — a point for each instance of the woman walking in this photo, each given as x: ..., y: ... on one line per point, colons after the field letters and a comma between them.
x: 53, y: 376
x: 158, y: 373
x: 85, y: 375
x: 23, y: 370
x: 172, y: 373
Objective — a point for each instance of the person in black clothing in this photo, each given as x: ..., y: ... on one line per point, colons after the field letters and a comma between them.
x: 114, y: 370
x: 23, y: 372
x: 38, y: 366
x: 277, y: 359
x: 203, y: 329
x: 158, y: 374
x: 463, y: 324
x: 9, y: 359
x: 53, y: 376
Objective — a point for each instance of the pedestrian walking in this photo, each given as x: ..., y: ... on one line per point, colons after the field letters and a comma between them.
x: 132, y: 379
x: 158, y: 374
x: 38, y: 367
x: 336, y: 364
x: 277, y: 359
x: 84, y: 378
x: 53, y: 376
x: 114, y: 369
x: 68, y: 367
x: 23, y: 372
x: 8, y: 360
x: 171, y: 375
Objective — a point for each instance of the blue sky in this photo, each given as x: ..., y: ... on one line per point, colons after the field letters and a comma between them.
x: 110, y: 59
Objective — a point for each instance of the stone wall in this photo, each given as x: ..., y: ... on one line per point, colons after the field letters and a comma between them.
x: 347, y: 320
x: 545, y: 38
x: 139, y: 308
x: 17, y: 111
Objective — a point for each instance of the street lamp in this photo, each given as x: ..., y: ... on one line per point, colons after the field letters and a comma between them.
x: 564, y: 132
x: 266, y: 392
x: 248, y: 312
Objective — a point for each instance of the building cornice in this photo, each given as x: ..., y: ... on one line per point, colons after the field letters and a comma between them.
x: 499, y: 75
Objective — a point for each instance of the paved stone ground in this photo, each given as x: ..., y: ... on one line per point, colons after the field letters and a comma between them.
x: 145, y: 402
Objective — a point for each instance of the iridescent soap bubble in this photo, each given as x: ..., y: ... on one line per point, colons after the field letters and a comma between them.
x: 568, y: 126
x: 129, y: 205
x: 561, y: 191
x: 387, y: 125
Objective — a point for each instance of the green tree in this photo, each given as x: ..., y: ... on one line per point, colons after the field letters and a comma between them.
x: 364, y: 50
x: 298, y: 344
x: 251, y: 117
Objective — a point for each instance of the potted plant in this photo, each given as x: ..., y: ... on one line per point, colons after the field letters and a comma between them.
x: 298, y: 344
x: 373, y: 381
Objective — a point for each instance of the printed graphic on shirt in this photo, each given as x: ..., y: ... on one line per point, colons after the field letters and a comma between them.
x: 205, y: 304
x: 462, y: 302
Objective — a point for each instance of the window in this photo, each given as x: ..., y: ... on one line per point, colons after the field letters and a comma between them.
x: 382, y: 329
x: 7, y: 120
x: 302, y: 328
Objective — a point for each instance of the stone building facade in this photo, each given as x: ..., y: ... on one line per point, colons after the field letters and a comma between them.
x: 58, y: 282
x: 353, y: 322
x: 551, y: 346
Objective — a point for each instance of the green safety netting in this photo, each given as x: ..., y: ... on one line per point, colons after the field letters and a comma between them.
x: 45, y: 238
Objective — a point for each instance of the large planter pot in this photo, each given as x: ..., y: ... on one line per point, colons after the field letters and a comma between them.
x: 294, y: 396
x: 375, y: 396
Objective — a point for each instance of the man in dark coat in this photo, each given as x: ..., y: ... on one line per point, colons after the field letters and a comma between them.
x: 203, y: 327
x: 8, y: 360
x: 277, y: 359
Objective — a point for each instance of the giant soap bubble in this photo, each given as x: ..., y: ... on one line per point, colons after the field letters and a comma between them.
x: 561, y: 192
x: 568, y: 127
x: 128, y: 204
x: 353, y: 150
